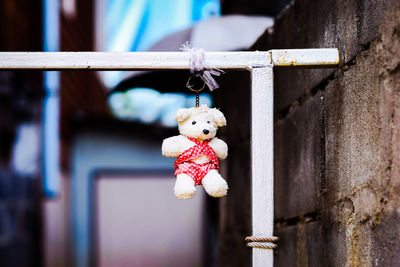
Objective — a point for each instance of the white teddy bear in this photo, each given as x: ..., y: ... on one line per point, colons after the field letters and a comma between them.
x: 197, y: 150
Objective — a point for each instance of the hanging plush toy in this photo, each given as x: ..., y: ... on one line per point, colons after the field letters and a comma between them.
x: 197, y: 148
x: 198, y: 151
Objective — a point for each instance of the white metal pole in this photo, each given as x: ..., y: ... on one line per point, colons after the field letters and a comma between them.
x: 262, y: 160
x: 126, y: 60
x: 166, y: 60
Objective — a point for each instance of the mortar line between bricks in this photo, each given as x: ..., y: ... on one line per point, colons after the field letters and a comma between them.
x: 285, y: 112
x: 295, y: 104
x: 308, y: 217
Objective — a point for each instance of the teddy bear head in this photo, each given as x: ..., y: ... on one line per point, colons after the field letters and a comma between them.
x: 199, y: 122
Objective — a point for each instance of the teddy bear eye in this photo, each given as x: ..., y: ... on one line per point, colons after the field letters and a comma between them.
x: 208, y: 122
x: 193, y: 122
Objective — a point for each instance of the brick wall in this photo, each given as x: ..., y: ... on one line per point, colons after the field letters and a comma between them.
x: 337, y: 140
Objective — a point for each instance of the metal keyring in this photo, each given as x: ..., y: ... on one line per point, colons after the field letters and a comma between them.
x: 194, y: 90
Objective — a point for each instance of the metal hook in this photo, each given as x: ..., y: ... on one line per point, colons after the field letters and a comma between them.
x: 189, y: 86
x: 197, y: 91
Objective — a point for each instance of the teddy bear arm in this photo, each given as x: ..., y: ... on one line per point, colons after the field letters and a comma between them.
x: 172, y: 146
x: 220, y: 148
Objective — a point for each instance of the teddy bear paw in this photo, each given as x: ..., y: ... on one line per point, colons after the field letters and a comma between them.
x: 184, y: 188
x: 215, y: 185
x: 218, y: 191
x: 184, y: 195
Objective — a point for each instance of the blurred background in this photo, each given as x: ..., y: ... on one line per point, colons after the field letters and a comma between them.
x: 82, y: 179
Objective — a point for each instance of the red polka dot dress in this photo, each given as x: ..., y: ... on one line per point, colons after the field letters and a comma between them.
x: 196, y: 171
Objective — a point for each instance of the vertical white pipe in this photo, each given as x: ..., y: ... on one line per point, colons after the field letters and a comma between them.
x: 262, y: 160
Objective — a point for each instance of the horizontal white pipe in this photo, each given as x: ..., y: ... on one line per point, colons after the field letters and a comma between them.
x: 319, y: 57
x: 127, y: 60
x: 164, y: 60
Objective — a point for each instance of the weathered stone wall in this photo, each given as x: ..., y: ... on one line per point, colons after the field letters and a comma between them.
x: 337, y: 140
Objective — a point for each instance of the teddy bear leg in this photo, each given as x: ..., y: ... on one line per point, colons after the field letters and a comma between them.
x: 214, y: 184
x: 184, y: 187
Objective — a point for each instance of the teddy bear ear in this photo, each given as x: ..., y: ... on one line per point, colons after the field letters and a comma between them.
x: 219, y: 117
x: 182, y: 114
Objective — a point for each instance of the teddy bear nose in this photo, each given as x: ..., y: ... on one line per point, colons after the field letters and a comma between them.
x: 205, y: 131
